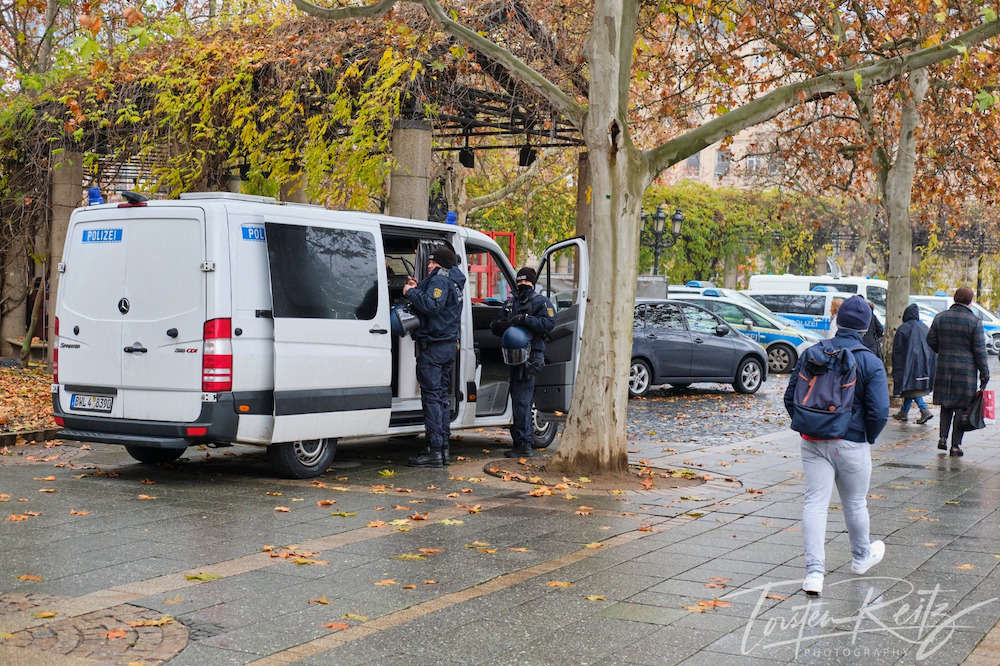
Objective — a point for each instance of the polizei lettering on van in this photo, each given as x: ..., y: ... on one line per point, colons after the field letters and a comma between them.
x: 102, y: 235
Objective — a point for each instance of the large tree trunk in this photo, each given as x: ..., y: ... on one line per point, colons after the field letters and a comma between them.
x: 595, y: 435
x: 896, y: 200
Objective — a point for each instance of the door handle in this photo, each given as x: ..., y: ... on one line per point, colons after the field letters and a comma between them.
x: 651, y: 336
x: 135, y: 348
x: 379, y: 331
x: 699, y: 340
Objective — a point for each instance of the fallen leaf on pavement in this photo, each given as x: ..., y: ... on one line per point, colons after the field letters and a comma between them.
x: 352, y: 616
x: 343, y: 514
x: 173, y: 600
x: 319, y: 600
x: 418, y: 516
x: 559, y: 583
x: 702, y: 606
x: 31, y: 577
x: 273, y: 493
x: 78, y: 512
x: 166, y: 619
x: 430, y: 582
x: 282, y: 509
x: 594, y: 597
x: 401, y: 507
x: 776, y: 597
x: 326, y: 502
x: 305, y: 560
x: 451, y: 521
x: 451, y: 495
x: 965, y: 567
x: 115, y: 633
x: 477, y: 544
x: 386, y: 583
x: 148, y: 482
x: 519, y: 550
x: 387, y: 472
x: 584, y: 510
x: 46, y: 490
x: 203, y: 577
x: 337, y: 626
x: 45, y: 478
x: 43, y: 615
x: 647, y: 484
x: 429, y: 551
x: 4, y: 497
x: 376, y: 523
x: 409, y: 587
x: 146, y: 497
x: 466, y: 490
x: 594, y: 544
x: 410, y: 557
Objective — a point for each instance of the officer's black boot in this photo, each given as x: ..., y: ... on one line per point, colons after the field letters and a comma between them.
x: 445, y: 459
x: 517, y: 452
x: 431, y: 457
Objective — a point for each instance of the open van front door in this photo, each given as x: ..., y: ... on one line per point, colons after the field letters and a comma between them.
x: 563, y: 278
x: 332, y: 353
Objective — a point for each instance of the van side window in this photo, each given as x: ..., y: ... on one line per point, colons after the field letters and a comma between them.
x: 839, y: 286
x: 321, y: 273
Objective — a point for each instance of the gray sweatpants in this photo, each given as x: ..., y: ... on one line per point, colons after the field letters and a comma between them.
x: 849, y: 464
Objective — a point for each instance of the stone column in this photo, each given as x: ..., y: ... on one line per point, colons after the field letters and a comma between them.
x: 66, y: 194
x: 15, y: 276
x: 409, y: 183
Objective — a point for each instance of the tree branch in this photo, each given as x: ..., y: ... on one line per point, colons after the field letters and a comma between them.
x: 475, y: 203
x: 786, y: 97
x: 566, y: 105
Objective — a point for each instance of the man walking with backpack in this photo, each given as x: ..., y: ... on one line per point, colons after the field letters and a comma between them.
x: 838, y: 398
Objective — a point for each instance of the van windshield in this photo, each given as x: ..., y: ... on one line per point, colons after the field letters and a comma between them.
x: 876, y: 295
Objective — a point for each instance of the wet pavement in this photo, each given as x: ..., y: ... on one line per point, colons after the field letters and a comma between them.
x: 213, y: 561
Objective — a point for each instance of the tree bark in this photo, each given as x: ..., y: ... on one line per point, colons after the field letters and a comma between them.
x: 896, y: 201
x: 594, y: 437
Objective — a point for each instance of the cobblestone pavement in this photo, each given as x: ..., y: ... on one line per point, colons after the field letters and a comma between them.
x: 376, y: 563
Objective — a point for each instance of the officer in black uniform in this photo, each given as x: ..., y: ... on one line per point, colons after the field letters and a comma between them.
x: 438, y: 301
x: 533, y: 312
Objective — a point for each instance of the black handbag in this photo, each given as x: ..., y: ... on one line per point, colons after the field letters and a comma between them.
x: 972, y: 417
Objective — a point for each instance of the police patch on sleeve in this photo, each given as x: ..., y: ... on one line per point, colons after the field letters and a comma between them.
x: 437, y: 293
x: 552, y: 313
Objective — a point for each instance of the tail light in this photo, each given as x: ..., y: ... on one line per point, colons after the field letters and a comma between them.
x: 217, y: 356
x: 55, y: 353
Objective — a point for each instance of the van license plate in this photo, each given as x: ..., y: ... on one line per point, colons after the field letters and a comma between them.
x: 91, y: 403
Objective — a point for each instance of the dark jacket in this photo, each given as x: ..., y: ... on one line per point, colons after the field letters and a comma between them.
x: 539, y: 316
x: 871, y: 395
x: 957, y: 336
x: 873, y: 336
x: 438, y: 301
x: 912, y: 360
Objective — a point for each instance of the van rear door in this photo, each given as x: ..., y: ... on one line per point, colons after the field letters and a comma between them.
x: 332, y: 348
x: 563, y: 276
x: 132, y: 279
x: 165, y: 290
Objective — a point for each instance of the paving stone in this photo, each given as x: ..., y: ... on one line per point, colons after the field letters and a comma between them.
x: 643, y: 613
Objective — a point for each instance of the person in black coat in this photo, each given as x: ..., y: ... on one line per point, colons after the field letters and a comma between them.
x: 957, y: 336
x: 873, y: 336
x: 912, y: 365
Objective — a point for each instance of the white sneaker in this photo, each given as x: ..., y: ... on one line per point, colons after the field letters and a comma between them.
x: 875, y: 554
x: 813, y: 584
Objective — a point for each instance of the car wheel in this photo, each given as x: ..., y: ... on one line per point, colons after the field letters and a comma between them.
x: 749, y: 376
x: 996, y: 343
x: 640, y: 376
x: 302, y: 459
x: 780, y: 359
x: 542, y: 432
x: 152, y: 455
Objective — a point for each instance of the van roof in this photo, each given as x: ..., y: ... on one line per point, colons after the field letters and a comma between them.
x: 233, y: 199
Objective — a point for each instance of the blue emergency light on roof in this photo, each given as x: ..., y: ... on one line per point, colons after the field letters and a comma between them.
x: 711, y: 292
x: 692, y: 283
x: 822, y: 287
x: 451, y: 217
x: 94, y: 196
x: 940, y: 293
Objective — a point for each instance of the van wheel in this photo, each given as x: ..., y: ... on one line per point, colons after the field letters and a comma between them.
x: 749, y: 376
x: 151, y: 455
x: 542, y: 432
x: 302, y: 459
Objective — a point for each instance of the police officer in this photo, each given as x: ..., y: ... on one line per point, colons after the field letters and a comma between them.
x: 438, y: 301
x: 533, y: 313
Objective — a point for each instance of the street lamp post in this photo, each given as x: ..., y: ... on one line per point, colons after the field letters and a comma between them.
x: 658, y: 238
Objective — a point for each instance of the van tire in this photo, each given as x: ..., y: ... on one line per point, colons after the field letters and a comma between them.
x: 150, y: 455
x: 302, y: 459
x: 543, y: 433
x: 749, y: 376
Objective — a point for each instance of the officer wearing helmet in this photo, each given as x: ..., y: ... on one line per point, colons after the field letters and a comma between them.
x: 526, y: 319
x: 438, y: 301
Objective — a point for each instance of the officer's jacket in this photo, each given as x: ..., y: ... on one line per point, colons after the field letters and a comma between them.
x: 438, y: 301
x: 539, y: 316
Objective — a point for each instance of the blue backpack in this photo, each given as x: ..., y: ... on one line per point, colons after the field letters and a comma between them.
x: 824, y: 391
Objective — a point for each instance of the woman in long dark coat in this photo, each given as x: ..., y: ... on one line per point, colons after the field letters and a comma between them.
x: 912, y: 365
x: 957, y: 336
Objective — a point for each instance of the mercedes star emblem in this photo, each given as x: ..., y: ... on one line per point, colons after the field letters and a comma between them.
x: 123, y: 306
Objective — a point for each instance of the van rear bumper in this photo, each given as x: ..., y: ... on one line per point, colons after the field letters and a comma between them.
x: 219, y: 419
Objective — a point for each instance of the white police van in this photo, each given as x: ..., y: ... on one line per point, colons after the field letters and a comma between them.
x: 221, y: 318
x: 872, y: 289
x: 813, y: 310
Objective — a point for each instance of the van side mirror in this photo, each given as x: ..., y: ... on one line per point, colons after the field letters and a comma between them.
x: 721, y: 330
x: 748, y: 322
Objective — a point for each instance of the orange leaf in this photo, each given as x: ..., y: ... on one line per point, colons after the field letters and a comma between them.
x: 148, y: 482
x: 386, y: 583
x: 717, y: 583
x: 558, y: 583
x: 337, y: 626
x: 429, y: 551
x: 451, y: 495
x: 419, y: 516
x: 376, y: 523
x: 46, y: 490
x: 319, y: 600
x: 45, y: 478
x: 33, y: 577
x: 466, y: 490
x: 115, y: 633
x: 430, y: 582
x: 409, y: 587
x: 146, y: 497
x: 282, y: 509
x: 647, y: 484
x: 401, y: 507
x: 584, y: 510
x: 326, y: 502
x: 77, y: 512
x: 777, y: 597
